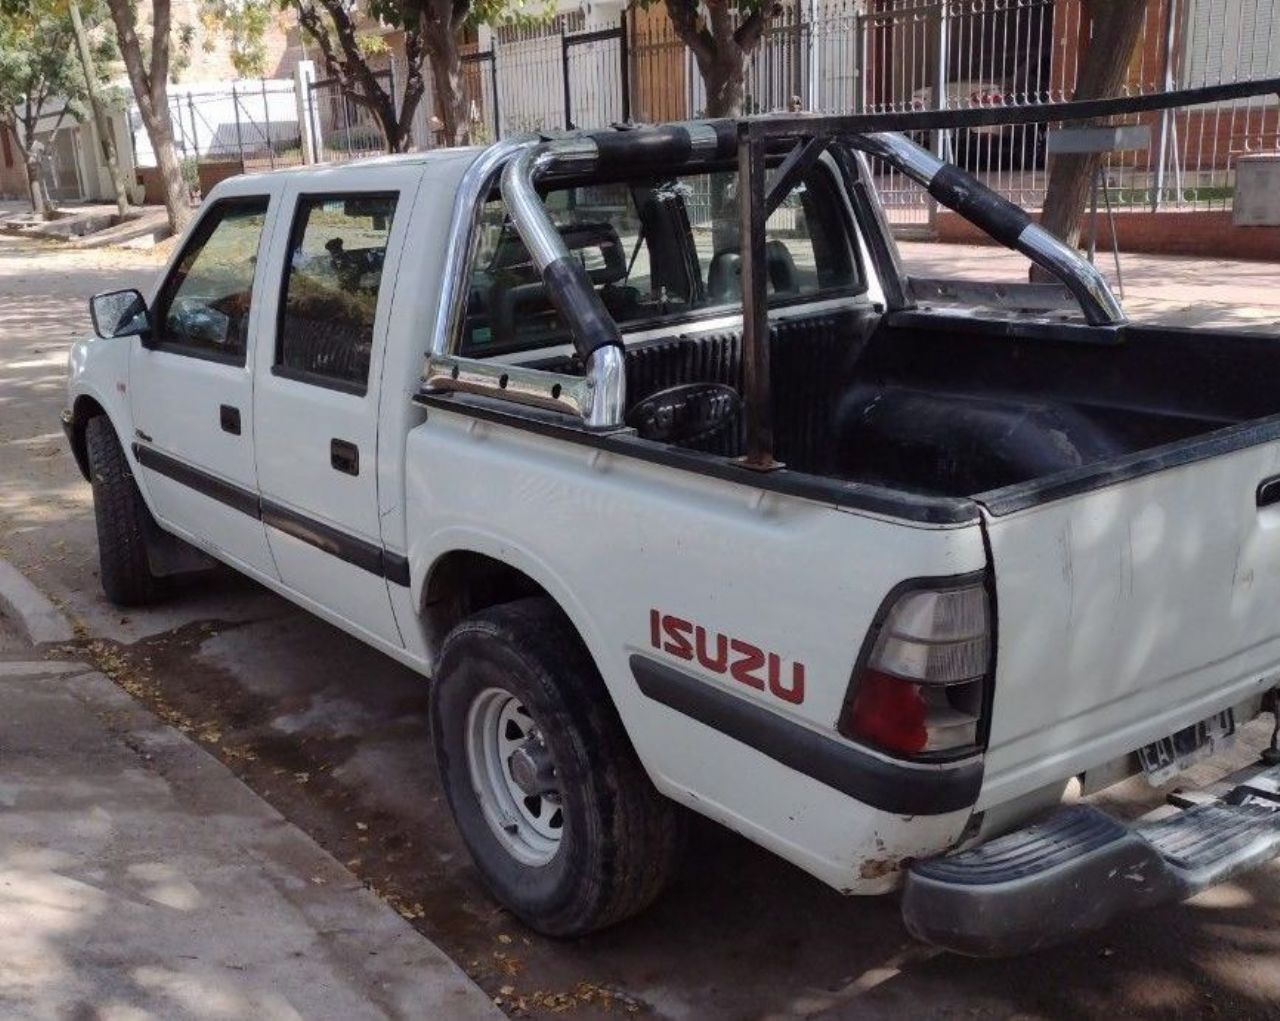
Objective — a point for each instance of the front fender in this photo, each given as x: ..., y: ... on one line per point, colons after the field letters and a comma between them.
x: 98, y: 383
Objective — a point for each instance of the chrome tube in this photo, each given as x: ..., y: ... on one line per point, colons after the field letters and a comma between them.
x: 1086, y: 282
x: 1080, y: 276
x: 916, y: 162
x: 468, y: 204
x: 607, y: 377
x: 605, y: 367
x: 524, y: 205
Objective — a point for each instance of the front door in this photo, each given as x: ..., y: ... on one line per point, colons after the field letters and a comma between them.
x: 316, y: 400
x: 191, y: 386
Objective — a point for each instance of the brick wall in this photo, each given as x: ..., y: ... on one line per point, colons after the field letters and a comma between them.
x: 149, y: 178
x: 209, y: 55
x: 211, y: 174
x: 1165, y: 233
x: 13, y: 175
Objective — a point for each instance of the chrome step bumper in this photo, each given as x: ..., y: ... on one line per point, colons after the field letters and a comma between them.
x: 1080, y: 868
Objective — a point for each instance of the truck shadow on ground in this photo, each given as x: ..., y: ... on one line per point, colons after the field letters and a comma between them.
x: 335, y: 736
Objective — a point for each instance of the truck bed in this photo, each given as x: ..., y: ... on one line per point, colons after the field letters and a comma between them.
x: 936, y: 405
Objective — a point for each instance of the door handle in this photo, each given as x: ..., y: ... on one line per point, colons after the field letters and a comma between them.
x: 229, y: 417
x: 1269, y: 491
x: 344, y: 457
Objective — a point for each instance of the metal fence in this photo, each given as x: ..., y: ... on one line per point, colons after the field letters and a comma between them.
x: 254, y: 124
x: 343, y: 128
x: 836, y: 56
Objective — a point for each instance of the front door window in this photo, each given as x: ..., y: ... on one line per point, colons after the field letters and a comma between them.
x: 203, y: 309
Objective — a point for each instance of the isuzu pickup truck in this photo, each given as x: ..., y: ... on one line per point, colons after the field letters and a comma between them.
x: 641, y: 445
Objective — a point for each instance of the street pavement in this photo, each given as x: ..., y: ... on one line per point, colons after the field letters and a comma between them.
x: 334, y: 736
x: 140, y: 879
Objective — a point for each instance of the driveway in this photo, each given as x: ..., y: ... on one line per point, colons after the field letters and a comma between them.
x: 334, y: 736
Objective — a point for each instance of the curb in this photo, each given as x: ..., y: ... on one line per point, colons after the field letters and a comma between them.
x: 336, y: 945
x: 38, y: 619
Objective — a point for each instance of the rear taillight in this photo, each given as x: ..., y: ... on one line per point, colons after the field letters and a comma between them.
x: 923, y: 687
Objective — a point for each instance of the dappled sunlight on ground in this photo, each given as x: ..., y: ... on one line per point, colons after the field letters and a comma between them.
x: 335, y: 736
x: 1171, y: 290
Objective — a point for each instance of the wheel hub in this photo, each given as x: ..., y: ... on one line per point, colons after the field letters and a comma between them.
x: 514, y: 777
x: 532, y: 769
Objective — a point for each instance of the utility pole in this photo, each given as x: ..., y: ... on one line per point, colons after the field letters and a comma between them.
x: 100, y: 119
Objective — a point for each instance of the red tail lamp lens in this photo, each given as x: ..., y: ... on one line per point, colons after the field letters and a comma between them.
x: 888, y: 711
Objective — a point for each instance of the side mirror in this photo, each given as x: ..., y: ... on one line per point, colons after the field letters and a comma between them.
x: 120, y: 314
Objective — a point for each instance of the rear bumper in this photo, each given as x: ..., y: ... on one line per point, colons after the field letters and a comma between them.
x: 1080, y: 868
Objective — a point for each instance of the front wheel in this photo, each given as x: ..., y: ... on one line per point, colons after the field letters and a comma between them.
x: 544, y: 785
x: 125, y: 526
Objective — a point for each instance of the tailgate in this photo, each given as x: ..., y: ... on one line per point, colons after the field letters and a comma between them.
x: 1130, y: 611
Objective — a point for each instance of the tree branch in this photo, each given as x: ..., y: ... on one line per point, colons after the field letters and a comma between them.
x: 160, y: 22
x: 355, y: 67
x: 458, y: 14
x: 9, y: 124
x: 685, y: 21
x: 131, y: 49
x: 748, y: 34
x: 309, y: 18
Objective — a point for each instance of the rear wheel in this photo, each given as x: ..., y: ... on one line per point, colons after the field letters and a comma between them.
x: 124, y: 523
x: 546, y: 789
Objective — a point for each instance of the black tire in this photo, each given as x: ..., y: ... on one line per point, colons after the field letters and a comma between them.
x: 621, y: 839
x: 124, y: 523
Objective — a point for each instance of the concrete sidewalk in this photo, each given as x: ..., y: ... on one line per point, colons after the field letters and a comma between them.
x: 1171, y: 290
x: 140, y: 879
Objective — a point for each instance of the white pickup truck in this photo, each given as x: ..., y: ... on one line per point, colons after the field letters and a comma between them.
x: 687, y: 502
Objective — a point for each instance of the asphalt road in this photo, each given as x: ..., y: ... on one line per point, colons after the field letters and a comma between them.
x: 334, y: 736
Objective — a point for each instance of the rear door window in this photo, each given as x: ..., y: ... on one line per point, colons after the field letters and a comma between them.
x: 332, y: 281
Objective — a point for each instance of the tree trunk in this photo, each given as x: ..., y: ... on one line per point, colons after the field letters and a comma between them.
x: 723, y: 80
x: 394, y: 135
x: 40, y: 204
x: 151, y: 93
x: 1116, y: 25
x: 414, y: 86
x: 100, y: 119
x: 177, y: 201
x: 720, y: 40
x: 446, y: 81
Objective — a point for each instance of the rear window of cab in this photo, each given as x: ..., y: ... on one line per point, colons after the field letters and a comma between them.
x: 658, y: 250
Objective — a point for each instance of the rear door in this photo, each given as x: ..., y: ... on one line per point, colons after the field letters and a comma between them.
x: 1130, y: 611
x: 191, y: 384
x: 316, y: 398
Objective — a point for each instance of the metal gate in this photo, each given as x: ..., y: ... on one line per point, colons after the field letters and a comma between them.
x: 594, y: 66
x: 948, y: 54
x: 480, y: 93
x: 60, y: 166
x: 343, y: 128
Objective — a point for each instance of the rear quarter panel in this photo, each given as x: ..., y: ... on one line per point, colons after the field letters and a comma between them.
x: 612, y: 538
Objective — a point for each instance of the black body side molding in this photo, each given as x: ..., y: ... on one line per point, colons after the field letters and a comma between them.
x: 354, y: 550
x: 899, y: 787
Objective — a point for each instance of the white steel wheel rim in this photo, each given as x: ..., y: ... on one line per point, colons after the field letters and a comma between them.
x: 502, y: 741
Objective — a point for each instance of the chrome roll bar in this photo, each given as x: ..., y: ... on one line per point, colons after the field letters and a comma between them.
x: 1003, y: 220
x: 601, y: 399
x: 522, y: 163
x: 595, y: 335
x: 468, y: 205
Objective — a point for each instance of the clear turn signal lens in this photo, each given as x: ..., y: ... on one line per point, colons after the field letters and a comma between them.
x: 923, y: 687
